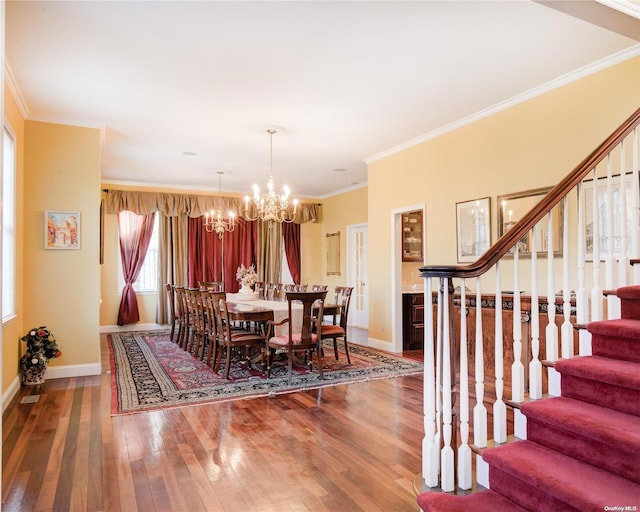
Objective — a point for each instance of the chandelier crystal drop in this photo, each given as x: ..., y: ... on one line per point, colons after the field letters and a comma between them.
x: 270, y: 207
x: 214, y: 220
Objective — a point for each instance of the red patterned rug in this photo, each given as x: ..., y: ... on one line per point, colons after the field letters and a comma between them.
x: 149, y: 371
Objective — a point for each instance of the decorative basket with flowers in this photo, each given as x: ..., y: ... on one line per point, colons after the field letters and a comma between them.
x: 41, y: 346
x: 247, y: 277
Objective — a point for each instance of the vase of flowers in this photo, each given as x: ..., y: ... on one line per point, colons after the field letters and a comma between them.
x: 247, y: 277
x: 41, y: 346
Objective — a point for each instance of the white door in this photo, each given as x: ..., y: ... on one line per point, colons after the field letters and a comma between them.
x: 357, y: 275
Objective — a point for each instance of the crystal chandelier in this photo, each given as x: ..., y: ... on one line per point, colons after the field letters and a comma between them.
x: 270, y: 207
x: 214, y: 221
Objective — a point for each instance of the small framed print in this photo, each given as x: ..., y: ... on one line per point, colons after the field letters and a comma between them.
x: 61, y: 229
x: 473, y: 228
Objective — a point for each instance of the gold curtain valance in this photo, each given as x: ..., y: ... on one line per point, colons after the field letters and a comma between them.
x: 174, y: 205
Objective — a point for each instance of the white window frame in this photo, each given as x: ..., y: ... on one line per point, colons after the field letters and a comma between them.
x: 151, y: 261
x: 9, y: 172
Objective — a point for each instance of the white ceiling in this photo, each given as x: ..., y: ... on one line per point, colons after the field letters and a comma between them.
x: 347, y: 81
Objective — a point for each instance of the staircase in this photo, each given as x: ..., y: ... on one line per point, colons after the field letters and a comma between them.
x: 582, y: 451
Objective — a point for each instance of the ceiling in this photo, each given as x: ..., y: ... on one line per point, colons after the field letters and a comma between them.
x: 183, y: 90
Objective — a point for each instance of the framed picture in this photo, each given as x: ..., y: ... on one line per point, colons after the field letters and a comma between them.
x: 333, y: 253
x: 512, y: 207
x: 473, y: 228
x: 61, y: 230
x: 616, y: 212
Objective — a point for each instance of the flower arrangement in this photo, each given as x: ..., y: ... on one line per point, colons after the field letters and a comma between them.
x: 246, y: 276
x: 41, y: 346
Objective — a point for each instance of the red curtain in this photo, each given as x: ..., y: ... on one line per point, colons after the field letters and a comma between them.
x: 240, y: 248
x: 206, y: 252
x: 134, y: 232
x: 291, y: 236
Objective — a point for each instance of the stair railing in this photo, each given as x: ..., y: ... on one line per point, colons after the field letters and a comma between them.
x: 598, y: 203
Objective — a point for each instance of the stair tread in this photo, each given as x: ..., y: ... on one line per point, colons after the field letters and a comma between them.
x: 621, y: 327
x: 579, y: 484
x: 619, y: 429
x: 603, y: 369
x: 482, y: 501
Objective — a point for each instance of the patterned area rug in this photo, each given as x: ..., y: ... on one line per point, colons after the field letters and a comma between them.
x: 149, y: 371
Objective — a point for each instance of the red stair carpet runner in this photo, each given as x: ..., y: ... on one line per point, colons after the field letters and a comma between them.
x: 582, y: 451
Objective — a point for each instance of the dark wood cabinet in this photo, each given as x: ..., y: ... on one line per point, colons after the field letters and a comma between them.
x: 412, y: 321
x: 412, y: 236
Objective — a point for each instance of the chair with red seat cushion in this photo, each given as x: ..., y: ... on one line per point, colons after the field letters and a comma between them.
x: 303, y: 340
x: 338, y: 329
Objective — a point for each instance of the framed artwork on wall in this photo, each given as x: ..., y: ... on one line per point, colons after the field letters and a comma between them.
x: 61, y: 229
x: 512, y: 207
x: 473, y: 228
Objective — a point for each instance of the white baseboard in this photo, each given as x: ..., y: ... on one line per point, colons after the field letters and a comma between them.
x: 73, y: 370
x: 385, y: 346
x: 11, y: 392
x: 105, y: 329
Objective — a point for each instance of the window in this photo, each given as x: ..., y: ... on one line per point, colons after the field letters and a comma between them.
x: 148, y: 278
x: 8, y: 226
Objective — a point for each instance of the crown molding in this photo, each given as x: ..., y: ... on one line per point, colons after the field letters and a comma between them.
x: 344, y: 190
x: 556, y: 83
x: 13, y: 86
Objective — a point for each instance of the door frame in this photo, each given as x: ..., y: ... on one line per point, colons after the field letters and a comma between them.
x: 396, y: 269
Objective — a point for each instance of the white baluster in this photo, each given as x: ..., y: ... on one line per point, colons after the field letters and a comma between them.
x: 430, y: 449
x: 479, y: 411
x: 567, y: 327
x: 551, y: 332
x: 623, y: 257
x: 446, y: 455
x: 635, y: 206
x: 582, y: 309
x: 464, y: 451
x: 535, y: 366
x: 596, y: 291
x: 517, y: 368
x: 613, y: 304
x: 499, y: 407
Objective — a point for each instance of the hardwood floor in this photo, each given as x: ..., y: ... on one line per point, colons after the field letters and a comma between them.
x: 342, y: 448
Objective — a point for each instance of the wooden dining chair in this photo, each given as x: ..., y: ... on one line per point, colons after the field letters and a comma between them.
x: 338, y: 329
x: 211, y: 328
x: 196, y: 343
x: 319, y: 288
x: 183, y: 315
x: 173, y: 312
x: 230, y: 339
x: 293, y: 341
x: 259, y: 289
x: 273, y: 291
x: 213, y: 286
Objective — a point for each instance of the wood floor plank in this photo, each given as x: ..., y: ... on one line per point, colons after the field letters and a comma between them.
x: 348, y: 448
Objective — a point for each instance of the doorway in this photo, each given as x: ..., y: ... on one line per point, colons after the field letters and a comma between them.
x: 396, y: 270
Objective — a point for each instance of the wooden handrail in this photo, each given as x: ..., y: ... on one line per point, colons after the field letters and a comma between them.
x: 524, y: 225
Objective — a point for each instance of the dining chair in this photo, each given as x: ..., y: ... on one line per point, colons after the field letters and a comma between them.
x: 273, y: 291
x: 295, y: 288
x: 293, y: 341
x: 259, y: 289
x: 173, y: 313
x: 183, y: 315
x: 211, y: 328
x: 197, y: 316
x: 319, y: 288
x: 229, y: 338
x: 214, y: 286
x: 338, y: 329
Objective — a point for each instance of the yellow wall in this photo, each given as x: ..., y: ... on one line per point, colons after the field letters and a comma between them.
x: 12, y: 331
x: 531, y: 145
x: 62, y: 287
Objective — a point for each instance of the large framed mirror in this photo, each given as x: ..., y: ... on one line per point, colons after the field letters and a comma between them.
x: 333, y: 254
